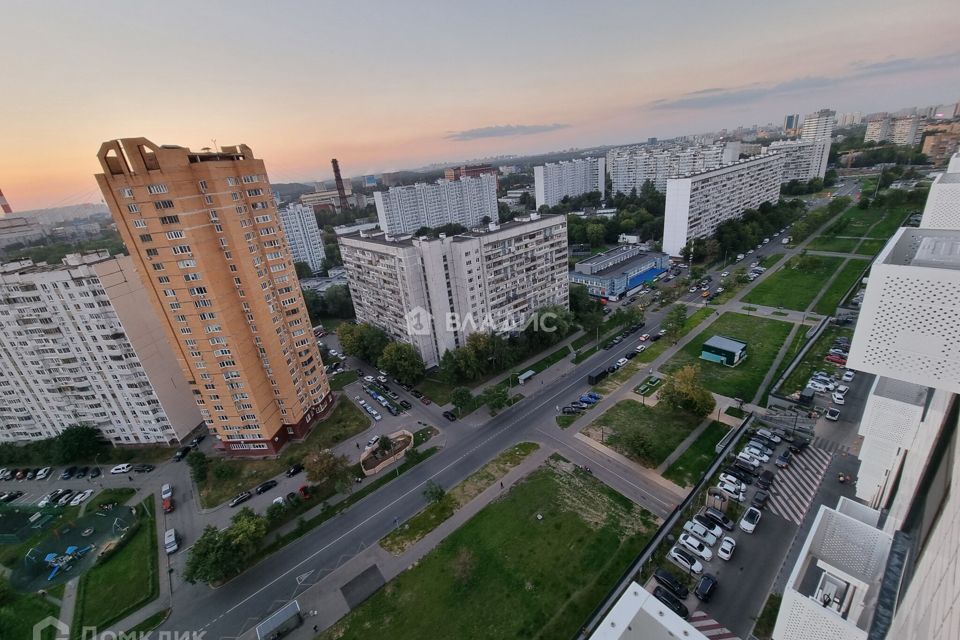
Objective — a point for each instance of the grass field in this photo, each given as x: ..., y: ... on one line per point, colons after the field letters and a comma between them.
x: 339, y: 381
x: 792, y: 287
x: 122, y: 583
x: 799, y: 339
x: 814, y: 361
x: 533, y: 564
x: 848, y: 274
x: 119, y: 496
x: 414, y: 529
x: 20, y: 611
x: 763, y: 336
x: 891, y: 221
x: 839, y: 245
x: 664, y: 429
x: 227, y: 478
x: 870, y: 247
x: 770, y: 260
x: 687, y: 469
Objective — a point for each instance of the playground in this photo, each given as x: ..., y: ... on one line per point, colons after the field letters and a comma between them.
x: 70, y: 547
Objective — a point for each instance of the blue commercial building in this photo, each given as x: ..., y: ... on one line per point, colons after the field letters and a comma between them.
x: 723, y: 350
x: 618, y: 272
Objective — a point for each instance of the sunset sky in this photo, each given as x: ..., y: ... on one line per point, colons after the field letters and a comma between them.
x: 389, y: 85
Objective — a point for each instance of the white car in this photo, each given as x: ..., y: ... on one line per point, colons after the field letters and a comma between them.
x: 621, y: 362
x: 816, y: 386
x: 724, y: 274
x: 832, y: 414
x: 641, y: 348
x: 748, y: 459
x: 686, y: 560
x: 334, y: 353
x: 732, y: 490
x: 166, y: 491
x: 80, y: 497
x: 369, y: 379
x: 700, y: 531
x: 848, y: 376
x: 842, y: 389
x: 43, y: 473
x: 769, y: 435
x: 750, y: 519
x: 382, y: 379
x: 373, y: 441
x: 696, y: 546
x: 719, y: 290
x: 756, y: 453
x: 46, y: 499
x: 749, y: 251
x: 838, y: 398
x: 726, y: 477
x: 121, y: 468
x: 725, y: 550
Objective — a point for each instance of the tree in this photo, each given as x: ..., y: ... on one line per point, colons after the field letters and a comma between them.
x: 338, y: 302
x: 596, y: 234
x: 675, y: 321
x: 461, y: 398
x: 496, y: 397
x: 199, y: 465
x: 402, y: 361
x: 363, y: 341
x: 433, y: 492
x: 210, y: 559
x: 636, y: 439
x: 684, y: 391
x: 303, y: 270
x: 246, y: 531
x: 385, y: 444
x: 78, y: 442
x: 864, y: 202
x: 323, y: 466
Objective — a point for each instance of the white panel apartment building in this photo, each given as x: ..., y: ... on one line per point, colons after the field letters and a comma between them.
x: 908, y: 335
x: 303, y: 235
x: 697, y: 204
x: 496, y: 277
x: 555, y: 181
x: 80, y: 344
x: 631, y: 167
x: 802, y: 159
x: 465, y: 201
x: 818, y: 129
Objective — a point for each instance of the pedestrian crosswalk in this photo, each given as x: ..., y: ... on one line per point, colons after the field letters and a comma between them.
x: 709, y: 627
x: 795, y: 487
x: 829, y: 445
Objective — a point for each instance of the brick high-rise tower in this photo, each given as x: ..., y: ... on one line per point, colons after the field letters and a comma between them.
x: 205, y: 237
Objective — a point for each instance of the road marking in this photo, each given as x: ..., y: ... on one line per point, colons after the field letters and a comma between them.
x: 795, y: 487
x: 303, y: 576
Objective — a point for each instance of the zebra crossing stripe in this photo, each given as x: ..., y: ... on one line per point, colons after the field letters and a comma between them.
x: 710, y: 627
x: 795, y: 487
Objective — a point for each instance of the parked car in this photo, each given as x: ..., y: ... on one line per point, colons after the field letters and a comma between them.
x: 762, y: 445
x: 671, y: 602
x: 769, y: 435
x: 731, y: 479
x: 783, y: 460
x: 181, y: 454
x: 739, y: 474
x: 240, y: 498
x: 696, y: 546
x: 698, y: 530
x: 43, y: 473
x: 425, y: 400
x: 641, y: 348
x: 726, y: 548
x: 705, y: 587
x: 786, y: 437
x: 734, y: 491
x: 120, y: 468
x: 750, y: 519
x: 570, y: 411
x: 143, y: 468
x: 765, y: 479
x: 668, y: 580
x: 197, y: 440
x: 10, y: 497
x: 712, y: 527
x: 719, y: 517
x: 405, y: 404
x: 621, y: 362
x: 748, y: 459
x: 745, y: 467
x: 69, y: 471
x: 848, y: 376
x: 294, y: 470
x: 644, y: 337
x: 95, y: 473
x: 449, y: 416
x: 685, y: 559
x: 65, y: 498
x: 832, y: 414
x: 167, y: 505
x: 799, y: 447
x: 762, y: 456
x: 760, y: 499
x: 80, y: 497
x: 263, y: 487
x: 166, y: 491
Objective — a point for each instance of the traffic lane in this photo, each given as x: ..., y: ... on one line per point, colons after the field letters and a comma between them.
x: 744, y: 580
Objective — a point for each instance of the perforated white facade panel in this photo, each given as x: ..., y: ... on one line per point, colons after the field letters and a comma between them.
x: 942, y: 210
x: 801, y: 618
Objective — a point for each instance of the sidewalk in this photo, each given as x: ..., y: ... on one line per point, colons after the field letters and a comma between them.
x: 374, y: 567
x: 650, y: 475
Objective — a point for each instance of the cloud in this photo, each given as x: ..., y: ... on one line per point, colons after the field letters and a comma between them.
x: 730, y: 96
x: 503, y: 131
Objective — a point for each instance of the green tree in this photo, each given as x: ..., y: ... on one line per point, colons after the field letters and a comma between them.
x: 324, y: 466
x: 211, y: 558
x: 315, y: 308
x: 303, y: 270
x: 684, y: 391
x: 461, y: 398
x: 596, y: 234
x: 199, y: 465
x: 636, y: 440
x: 495, y: 397
x: 246, y: 531
x: 385, y: 444
x: 433, y: 491
x: 402, y: 361
x: 338, y: 302
x: 76, y: 443
x: 864, y: 202
x: 363, y: 341
x: 675, y: 321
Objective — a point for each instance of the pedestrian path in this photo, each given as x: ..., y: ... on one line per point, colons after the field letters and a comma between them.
x: 795, y: 487
x: 829, y: 445
x: 709, y: 627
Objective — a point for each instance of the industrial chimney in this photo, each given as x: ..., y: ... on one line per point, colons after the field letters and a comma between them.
x: 340, y: 190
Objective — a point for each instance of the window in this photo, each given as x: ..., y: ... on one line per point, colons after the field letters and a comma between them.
x: 152, y: 253
x: 203, y: 185
x: 185, y: 331
x: 174, y: 306
x: 163, y: 280
x: 199, y: 304
x: 133, y: 208
x: 262, y: 219
x: 186, y: 264
x: 234, y: 196
x: 231, y: 182
x: 163, y: 204
x: 191, y: 277
x: 254, y: 192
x: 156, y: 188
x: 258, y: 206
x: 175, y: 235
x: 169, y: 219
x: 179, y: 249
x: 180, y: 318
x: 146, y: 237
x: 217, y: 340
x: 251, y: 179
x: 170, y: 293
x: 140, y: 224
x: 207, y: 199
x: 198, y: 291
x: 208, y: 315
x: 126, y: 192
x: 275, y: 255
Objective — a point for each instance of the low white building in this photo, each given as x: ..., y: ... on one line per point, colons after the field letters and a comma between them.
x: 555, y: 181
x: 942, y: 210
x: 80, y: 343
x: 637, y: 615
x: 434, y: 292
x: 303, y: 235
x: 697, y: 204
x: 466, y: 201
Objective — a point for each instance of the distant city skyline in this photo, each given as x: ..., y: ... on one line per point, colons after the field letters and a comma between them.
x: 373, y: 85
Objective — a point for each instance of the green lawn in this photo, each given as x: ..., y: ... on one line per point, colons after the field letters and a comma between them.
x: 148, y: 625
x: 339, y: 381
x: 770, y: 260
x: 565, y: 421
x: 763, y: 336
x: 532, y: 564
x: 827, y: 304
x: 839, y: 245
x: 107, y: 496
x: 664, y: 429
x: 792, y: 287
x: 687, y: 469
x: 870, y: 247
x: 124, y: 581
x: 227, y: 478
x: 20, y: 611
x: 890, y: 222
x: 799, y: 339
x: 813, y: 360
x: 763, y: 629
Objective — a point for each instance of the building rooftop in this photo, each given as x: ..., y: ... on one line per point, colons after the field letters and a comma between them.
x: 932, y: 248
x: 949, y: 178
x: 901, y: 391
x: 407, y: 240
x: 71, y: 260
x: 725, y: 343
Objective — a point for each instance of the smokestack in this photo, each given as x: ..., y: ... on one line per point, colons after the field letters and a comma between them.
x: 340, y: 190
x: 3, y: 204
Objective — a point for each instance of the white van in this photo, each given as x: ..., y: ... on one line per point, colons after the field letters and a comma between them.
x: 171, y: 541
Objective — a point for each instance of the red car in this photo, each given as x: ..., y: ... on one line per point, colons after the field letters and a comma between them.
x: 424, y: 399
x: 836, y: 360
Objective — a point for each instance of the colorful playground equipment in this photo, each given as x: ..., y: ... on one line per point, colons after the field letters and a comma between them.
x: 64, y: 561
